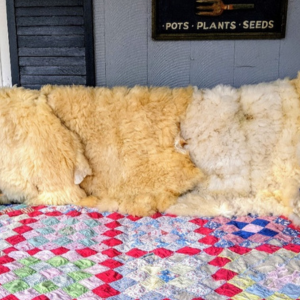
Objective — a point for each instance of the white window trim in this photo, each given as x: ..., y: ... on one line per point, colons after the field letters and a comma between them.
x: 5, y: 71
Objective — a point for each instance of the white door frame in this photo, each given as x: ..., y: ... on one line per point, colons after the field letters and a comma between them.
x: 5, y: 71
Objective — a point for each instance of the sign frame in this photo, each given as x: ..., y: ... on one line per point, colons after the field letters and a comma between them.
x: 157, y: 34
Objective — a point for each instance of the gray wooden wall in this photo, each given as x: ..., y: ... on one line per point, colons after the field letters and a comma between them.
x: 126, y: 55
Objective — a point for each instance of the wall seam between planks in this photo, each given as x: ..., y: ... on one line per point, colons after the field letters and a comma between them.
x: 234, y: 64
x: 149, y: 13
x: 104, y: 33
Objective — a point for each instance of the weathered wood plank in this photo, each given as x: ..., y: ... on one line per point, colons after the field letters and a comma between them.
x: 50, y: 30
x: 53, y: 70
x: 50, y: 21
x: 168, y: 62
x: 50, y: 41
x: 33, y: 80
x: 289, y: 60
x: 89, y: 43
x: 5, y: 55
x: 49, y: 11
x: 1, y: 79
x: 256, y: 63
x: 51, y: 52
x: 32, y: 3
x: 51, y: 61
x: 13, y: 44
x: 126, y: 42
x: 99, y: 42
x: 212, y: 63
x: 32, y: 86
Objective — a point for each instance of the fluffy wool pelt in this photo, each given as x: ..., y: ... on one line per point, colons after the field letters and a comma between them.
x: 247, y: 141
x: 129, y: 137
x: 39, y: 159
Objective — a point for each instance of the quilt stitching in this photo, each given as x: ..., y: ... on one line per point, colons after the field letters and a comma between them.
x: 69, y: 252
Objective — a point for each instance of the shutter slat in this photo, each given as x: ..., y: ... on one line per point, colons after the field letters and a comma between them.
x: 50, y: 41
x: 51, y: 61
x: 52, y: 79
x: 53, y: 70
x: 49, y: 11
x: 51, y: 30
x: 32, y: 86
x: 51, y: 51
x: 49, y: 21
x: 33, y: 3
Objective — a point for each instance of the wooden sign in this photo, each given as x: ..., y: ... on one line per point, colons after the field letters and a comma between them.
x: 217, y: 19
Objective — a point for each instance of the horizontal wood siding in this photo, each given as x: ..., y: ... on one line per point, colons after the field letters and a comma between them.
x: 27, y: 80
x: 51, y: 30
x: 51, y: 41
x: 50, y: 21
x: 51, y: 61
x: 31, y: 3
x: 52, y: 51
x: 53, y: 70
x: 49, y: 11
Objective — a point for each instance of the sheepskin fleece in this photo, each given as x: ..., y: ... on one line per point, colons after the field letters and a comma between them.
x: 129, y: 137
x: 39, y: 158
x: 247, y: 141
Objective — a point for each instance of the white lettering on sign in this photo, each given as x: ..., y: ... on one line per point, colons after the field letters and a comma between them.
x: 177, y: 25
x: 224, y: 25
x: 216, y: 25
x: 258, y: 24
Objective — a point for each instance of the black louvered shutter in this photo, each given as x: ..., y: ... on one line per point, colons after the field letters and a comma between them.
x: 51, y: 42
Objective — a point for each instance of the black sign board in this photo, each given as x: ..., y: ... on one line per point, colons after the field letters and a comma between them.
x: 217, y: 19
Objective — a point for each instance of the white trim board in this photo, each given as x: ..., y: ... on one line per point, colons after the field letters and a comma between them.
x: 5, y: 71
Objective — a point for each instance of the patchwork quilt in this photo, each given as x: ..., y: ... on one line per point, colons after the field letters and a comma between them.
x: 67, y: 252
